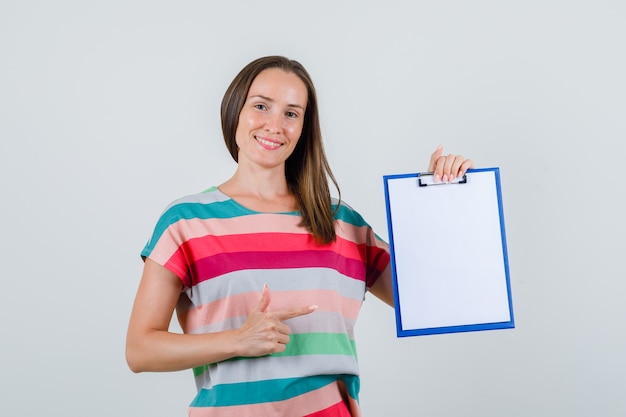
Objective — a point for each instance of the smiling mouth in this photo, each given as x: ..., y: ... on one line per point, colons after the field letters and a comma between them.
x: 268, y: 143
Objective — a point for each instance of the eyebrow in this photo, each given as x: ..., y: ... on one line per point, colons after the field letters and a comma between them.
x: 272, y: 100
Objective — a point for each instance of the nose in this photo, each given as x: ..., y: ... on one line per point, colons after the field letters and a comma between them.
x: 273, y: 123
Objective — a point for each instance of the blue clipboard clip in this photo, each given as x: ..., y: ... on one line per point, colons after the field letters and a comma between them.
x: 428, y: 178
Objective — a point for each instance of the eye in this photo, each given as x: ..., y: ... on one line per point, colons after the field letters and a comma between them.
x: 292, y: 114
x: 260, y: 106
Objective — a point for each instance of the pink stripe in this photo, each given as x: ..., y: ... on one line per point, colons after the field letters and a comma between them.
x: 338, y: 410
x: 261, y: 223
x: 240, y: 305
x: 166, y: 246
x: 211, y: 245
x: 302, y: 405
x: 214, y: 266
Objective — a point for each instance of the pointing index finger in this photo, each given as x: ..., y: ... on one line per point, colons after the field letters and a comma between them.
x: 296, y: 312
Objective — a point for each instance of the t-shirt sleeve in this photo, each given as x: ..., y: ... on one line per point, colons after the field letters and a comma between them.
x: 375, y: 255
x: 167, y: 244
x: 378, y: 257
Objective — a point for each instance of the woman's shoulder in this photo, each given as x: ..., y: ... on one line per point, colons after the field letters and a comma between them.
x: 203, y: 201
x: 210, y: 195
x: 347, y: 213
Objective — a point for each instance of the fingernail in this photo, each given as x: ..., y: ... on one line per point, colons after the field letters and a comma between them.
x: 313, y: 307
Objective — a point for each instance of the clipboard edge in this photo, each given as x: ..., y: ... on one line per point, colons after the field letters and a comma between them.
x: 456, y: 329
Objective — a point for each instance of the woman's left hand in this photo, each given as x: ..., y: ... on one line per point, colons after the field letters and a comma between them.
x: 448, y: 167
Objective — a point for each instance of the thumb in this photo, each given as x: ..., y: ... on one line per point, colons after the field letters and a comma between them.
x: 264, y: 302
x: 433, y: 158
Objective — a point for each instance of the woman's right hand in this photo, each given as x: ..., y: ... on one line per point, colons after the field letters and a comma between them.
x: 264, y: 332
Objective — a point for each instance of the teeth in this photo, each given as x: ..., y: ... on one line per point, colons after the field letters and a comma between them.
x: 268, y: 143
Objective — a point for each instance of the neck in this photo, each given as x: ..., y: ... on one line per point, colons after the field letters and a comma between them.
x: 260, y: 190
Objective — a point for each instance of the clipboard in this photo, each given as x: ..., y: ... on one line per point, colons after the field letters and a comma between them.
x: 449, y: 259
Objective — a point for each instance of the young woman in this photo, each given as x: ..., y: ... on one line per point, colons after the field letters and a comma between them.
x: 266, y: 272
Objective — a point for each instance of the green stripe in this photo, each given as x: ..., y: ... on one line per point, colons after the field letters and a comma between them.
x: 307, y: 344
x: 270, y: 391
x: 199, y: 370
x: 350, y: 216
x: 319, y: 344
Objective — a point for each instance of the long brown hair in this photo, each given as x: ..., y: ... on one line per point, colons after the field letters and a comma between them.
x: 307, y: 169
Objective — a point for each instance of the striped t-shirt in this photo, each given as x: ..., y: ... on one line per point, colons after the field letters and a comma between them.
x: 224, y: 253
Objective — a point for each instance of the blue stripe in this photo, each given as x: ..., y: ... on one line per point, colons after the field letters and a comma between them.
x: 270, y: 391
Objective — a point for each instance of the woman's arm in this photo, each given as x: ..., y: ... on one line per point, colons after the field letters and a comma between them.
x: 150, y: 346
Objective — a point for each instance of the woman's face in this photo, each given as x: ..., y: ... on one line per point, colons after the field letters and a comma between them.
x: 271, y: 120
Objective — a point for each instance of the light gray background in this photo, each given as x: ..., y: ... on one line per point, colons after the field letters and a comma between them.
x: 110, y: 109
